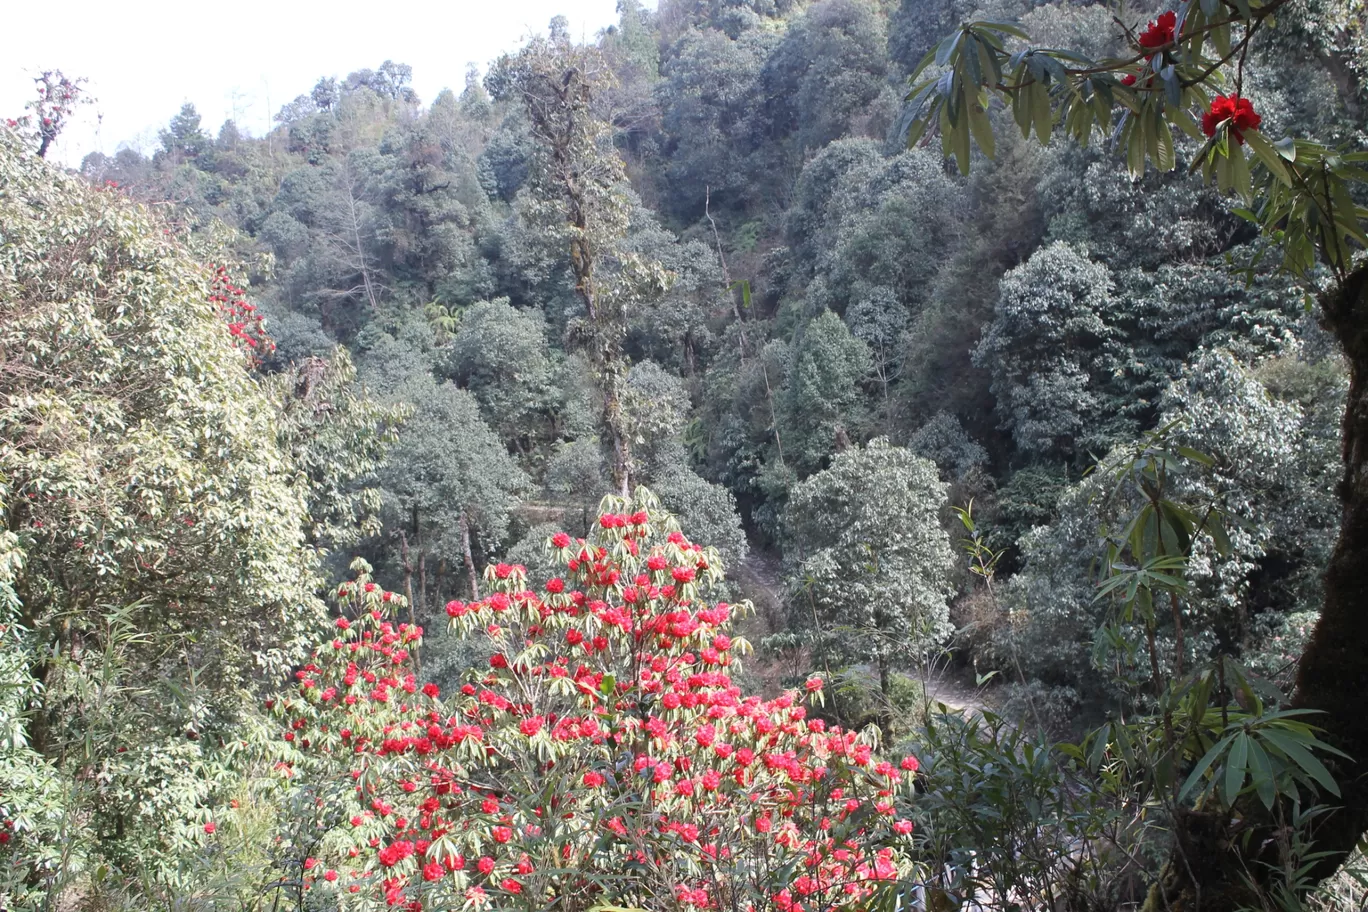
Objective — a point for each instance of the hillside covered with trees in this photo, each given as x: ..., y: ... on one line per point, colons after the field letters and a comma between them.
x: 565, y: 492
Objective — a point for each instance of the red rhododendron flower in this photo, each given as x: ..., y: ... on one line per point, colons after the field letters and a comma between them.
x: 1238, y: 111
x: 1159, y: 32
x: 605, y: 731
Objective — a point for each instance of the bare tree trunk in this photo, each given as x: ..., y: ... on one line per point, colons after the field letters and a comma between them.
x: 774, y: 415
x: 559, y: 94
x: 422, y: 584
x: 422, y: 600
x: 622, y: 454
x: 726, y: 273
x: 408, y: 568
x: 360, y: 251
x: 464, y: 525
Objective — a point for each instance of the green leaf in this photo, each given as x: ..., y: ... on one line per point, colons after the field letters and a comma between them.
x: 1102, y: 102
x: 1173, y: 87
x: 1165, y: 160
x: 971, y: 61
x: 1235, y: 767
x: 1195, y: 455
x: 1097, y: 754
x: 947, y: 47
x: 998, y: 26
x: 1203, y: 765
x: 982, y: 128
x: 989, y: 66
x: 1268, y: 156
x: 1241, y: 180
x: 1219, y: 537
x: 1220, y: 39
x: 1135, y: 146
x: 745, y: 287
x: 959, y: 140
x: 1180, y: 118
x: 926, y: 61
x: 1041, y: 114
x: 1296, y: 751
x: 608, y: 685
x: 1261, y: 774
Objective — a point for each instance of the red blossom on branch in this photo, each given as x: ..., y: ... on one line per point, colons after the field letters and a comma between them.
x: 606, y: 735
x: 245, y: 323
x: 1239, y: 112
x: 1160, y: 32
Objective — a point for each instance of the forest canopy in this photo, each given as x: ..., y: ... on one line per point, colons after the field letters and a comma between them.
x: 776, y: 455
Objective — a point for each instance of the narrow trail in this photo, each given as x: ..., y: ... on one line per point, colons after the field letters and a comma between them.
x: 760, y: 578
x: 955, y: 691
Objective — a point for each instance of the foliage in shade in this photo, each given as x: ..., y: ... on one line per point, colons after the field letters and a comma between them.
x: 156, y: 555
x: 873, y: 563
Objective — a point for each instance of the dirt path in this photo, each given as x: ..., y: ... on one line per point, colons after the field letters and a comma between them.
x: 957, y: 692
x: 760, y: 578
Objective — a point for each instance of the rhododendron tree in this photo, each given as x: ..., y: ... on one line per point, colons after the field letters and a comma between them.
x: 56, y: 97
x: 162, y: 511
x: 605, y: 755
x: 245, y: 323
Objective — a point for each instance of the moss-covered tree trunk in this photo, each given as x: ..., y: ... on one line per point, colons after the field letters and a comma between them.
x: 1332, y: 674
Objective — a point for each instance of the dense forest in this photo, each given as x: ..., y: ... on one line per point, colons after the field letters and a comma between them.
x: 638, y: 375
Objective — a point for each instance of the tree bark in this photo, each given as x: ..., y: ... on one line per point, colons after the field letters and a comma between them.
x: 408, y: 568
x: 422, y: 584
x: 464, y: 525
x: 622, y: 451
x: 422, y: 600
x: 1332, y: 674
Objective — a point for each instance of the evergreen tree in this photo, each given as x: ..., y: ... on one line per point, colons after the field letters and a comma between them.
x: 871, y: 562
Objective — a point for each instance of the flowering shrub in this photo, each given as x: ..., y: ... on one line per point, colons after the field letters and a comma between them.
x: 604, y: 756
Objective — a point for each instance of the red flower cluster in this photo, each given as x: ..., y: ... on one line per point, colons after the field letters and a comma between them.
x: 56, y: 99
x: 606, y: 736
x: 1160, y: 32
x: 245, y: 324
x: 1239, y: 112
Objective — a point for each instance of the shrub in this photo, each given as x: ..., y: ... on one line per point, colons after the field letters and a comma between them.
x: 604, y: 756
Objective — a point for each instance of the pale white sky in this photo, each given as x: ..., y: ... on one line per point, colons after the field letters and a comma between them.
x: 244, y: 59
